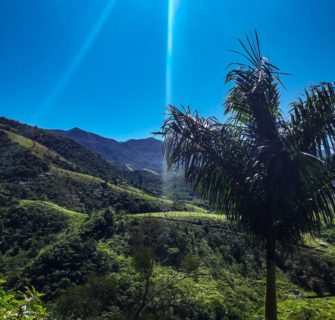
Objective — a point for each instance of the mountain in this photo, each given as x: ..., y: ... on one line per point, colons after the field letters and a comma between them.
x: 37, y: 164
x: 139, y: 160
x: 134, y: 154
x: 75, y: 228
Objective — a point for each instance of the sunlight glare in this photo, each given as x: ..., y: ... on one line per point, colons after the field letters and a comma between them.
x: 172, y: 9
x: 77, y: 60
x: 173, y: 5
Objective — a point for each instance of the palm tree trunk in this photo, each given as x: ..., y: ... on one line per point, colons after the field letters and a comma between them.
x: 270, y: 298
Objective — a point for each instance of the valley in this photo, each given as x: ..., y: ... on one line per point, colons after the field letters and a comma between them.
x: 76, y: 229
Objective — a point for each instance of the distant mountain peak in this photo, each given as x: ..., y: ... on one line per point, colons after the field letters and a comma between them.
x: 76, y: 129
x: 138, y: 154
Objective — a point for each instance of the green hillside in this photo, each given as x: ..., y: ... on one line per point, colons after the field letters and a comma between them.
x: 208, y: 271
x: 78, y: 158
x: 36, y: 164
x: 97, y: 247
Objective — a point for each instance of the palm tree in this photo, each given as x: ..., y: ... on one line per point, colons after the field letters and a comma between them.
x: 270, y: 175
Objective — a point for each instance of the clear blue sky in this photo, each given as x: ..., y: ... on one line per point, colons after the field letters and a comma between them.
x: 102, y: 65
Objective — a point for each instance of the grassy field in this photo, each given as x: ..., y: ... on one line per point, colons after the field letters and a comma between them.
x: 182, y: 215
x: 50, y: 206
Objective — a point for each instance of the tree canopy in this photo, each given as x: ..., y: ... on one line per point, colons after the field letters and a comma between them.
x: 271, y: 175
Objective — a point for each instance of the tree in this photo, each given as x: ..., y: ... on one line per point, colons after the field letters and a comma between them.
x: 145, y: 258
x: 21, y: 305
x: 270, y: 175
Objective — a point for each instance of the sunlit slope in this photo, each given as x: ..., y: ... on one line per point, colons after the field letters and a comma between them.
x: 72, y: 170
x: 241, y: 282
x: 30, y: 227
x: 311, y: 308
x: 183, y: 216
x: 72, y: 218
x: 324, y: 245
x: 77, y: 158
x: 123, y: 189
x: 36, y: 148
x: 67, y: 182
x: 52, y: 207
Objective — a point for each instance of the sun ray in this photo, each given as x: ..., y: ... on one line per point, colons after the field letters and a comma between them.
x: 172, y: 10
x: 77, y: 60
x: 173, y: 5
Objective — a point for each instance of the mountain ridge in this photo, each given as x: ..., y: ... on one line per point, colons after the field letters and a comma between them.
x: 37, y: 164
x: 133, y: 154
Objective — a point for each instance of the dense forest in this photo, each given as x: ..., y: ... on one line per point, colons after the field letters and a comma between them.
x: 79, y: 241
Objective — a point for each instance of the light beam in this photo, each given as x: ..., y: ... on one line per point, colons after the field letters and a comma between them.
x: 173, y: 5
x: 172, y: 10
x: 78, y: 59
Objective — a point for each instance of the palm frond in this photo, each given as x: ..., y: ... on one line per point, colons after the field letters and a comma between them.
x: 268, y: 175
x: 312, y: 123
x: 306, y: 199
x: 210, y: 155
x: 253, y: 101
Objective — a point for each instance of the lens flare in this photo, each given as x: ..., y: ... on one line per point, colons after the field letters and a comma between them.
x: 173, y: 5
x: 172, y: 10
x: 78, y: 59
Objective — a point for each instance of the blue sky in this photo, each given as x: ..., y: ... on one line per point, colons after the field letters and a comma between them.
x: 103, y: 65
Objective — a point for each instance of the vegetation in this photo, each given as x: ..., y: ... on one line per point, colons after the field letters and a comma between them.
x: 78, y: 240
x: 225, y: 282
x: 98, y: 266
x: 270, y: 176
x: 75, y: 257
x: 182, y: 215
x: 21, y: 305
x: 31, y: 170
x: 77, y: 158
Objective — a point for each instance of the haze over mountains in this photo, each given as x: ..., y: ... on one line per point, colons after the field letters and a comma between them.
x: 134, y: 154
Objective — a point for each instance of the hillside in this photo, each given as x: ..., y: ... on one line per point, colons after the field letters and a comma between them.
x: 140, y: 162
x: 40, y: 165
x: 134, y: 154
x: 74, y: 227
x: 96, y: 265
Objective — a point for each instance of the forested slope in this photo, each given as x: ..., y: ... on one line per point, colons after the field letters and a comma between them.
x: 36, y: 164
x: 99, y: 248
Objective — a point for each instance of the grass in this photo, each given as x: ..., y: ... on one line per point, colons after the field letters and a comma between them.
x: 43, y: 152
x: 181, y: 215
x: 76, y: 218
x: 137, y: 193
x: 38, y: 149
x: 307, y: 309
x: 324, y: 245
x: 47, y: 205
x: 76, y: 175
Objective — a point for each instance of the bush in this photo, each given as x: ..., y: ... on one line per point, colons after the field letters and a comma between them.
x: 21, y: 305
x: 87, y: 301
